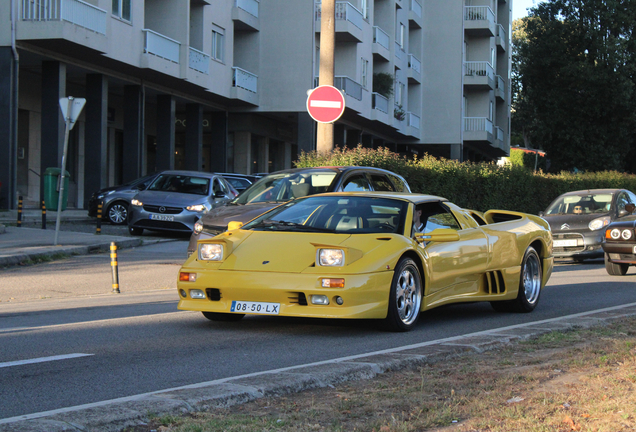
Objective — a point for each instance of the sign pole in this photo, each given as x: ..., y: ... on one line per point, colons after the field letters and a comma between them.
x: 324, y: 136
x: 67, y: 121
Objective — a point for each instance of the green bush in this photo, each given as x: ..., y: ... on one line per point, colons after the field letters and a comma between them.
x: 479, y: 186
x: 519, y: 157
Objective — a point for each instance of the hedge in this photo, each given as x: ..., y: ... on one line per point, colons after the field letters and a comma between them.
x: 479, y: 186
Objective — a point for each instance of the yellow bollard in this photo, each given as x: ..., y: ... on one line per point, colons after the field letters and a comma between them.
x: 19, y: 211
x: 99, y: 218
x: 43, y: 215
x: 113, y: 264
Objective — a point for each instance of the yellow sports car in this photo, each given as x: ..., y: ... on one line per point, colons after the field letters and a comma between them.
x: 372, y: 255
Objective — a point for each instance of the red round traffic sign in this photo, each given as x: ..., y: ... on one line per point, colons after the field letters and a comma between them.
x: 325, y: 104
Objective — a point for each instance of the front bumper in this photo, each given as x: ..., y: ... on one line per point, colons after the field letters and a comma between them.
x: 578, y: 245
x: 365, y: 296
x: 181, y: 222
x: 620, y: 253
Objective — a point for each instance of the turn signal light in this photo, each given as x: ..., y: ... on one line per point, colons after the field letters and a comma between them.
x: 187, y: 277
x: 332, y: 283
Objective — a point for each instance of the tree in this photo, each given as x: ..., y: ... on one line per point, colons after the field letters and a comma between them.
x: 576, y: 96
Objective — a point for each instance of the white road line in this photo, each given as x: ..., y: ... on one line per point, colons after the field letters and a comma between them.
x: 324, y: 104
x: 42, y: 359
x: 291, y: 368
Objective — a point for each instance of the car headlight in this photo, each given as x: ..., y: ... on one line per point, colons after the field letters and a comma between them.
x: 331, y: 257
x: 136, y: 202
x: 211, y: 252
x: 198, y: 227
x: 196, y: 208
x: 617, y: 234
x: 599, y: 223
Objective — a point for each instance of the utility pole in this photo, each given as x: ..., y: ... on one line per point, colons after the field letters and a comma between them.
x: 324, y: 138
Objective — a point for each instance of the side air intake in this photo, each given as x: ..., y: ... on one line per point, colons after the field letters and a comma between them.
x: 494, y: 282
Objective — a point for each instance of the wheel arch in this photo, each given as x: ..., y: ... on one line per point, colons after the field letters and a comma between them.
x: 420, y: 267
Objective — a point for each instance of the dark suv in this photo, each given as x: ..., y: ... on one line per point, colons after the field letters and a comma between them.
x: 282, y: 186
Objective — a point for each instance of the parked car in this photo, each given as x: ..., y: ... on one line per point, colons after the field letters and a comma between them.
x: 354, y: 255
x: 577, y: 220
x: 240, y: 181
x: 175, y: 200
x: 282, y: 186
x: 620, y: 243
x: 116, y: 199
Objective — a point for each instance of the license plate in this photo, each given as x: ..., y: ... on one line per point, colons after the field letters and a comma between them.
x: 162, y: 217
x: 564, y: 243
x: 255, y: 307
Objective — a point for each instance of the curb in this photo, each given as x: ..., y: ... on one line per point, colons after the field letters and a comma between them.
x: 132, y: 411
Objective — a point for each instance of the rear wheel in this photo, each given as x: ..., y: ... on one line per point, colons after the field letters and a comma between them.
x: 135, y: 231
x: 615, y: 269
x: 405, y: 298
x: 529, y: 286
x: 117, y: 213
x: 227, y: 317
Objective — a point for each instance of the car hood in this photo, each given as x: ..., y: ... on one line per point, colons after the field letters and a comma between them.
x: 574, y: 222
x: 263, y: 251
x: 221, y: 216
x: 625, y: 222
x: 174, y: 199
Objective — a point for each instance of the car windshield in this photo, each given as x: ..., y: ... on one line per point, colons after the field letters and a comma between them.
x: 335, y: 214
x: 581, y: 204
x: 181, y: 183
x: 286, y: 186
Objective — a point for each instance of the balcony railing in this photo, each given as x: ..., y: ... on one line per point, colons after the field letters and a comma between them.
x: 416, y: 7
x: 381, y: 37
x: 77, y: 12
x: 199, y: 61
x: 480, y: 68
x: 477, y: 124
x: 500, y: 133
x: 161, y: 46
x: 380, y: 102
x: 479, y: 13
x: 344, y: 11
x: 249, y: 6
x: 398, y: 50
x: 349, y: 86
x: 413, y: 120
x: 245, y: 80
x: 415, y: 64
x: 501, y: 85
x: 501, y: 34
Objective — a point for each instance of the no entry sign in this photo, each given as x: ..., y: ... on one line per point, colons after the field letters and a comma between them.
x: 325, y: 104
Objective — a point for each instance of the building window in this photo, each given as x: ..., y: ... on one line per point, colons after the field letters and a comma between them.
x: 218, y: 41
x: 364, y: 8
x: 122, y: 9
x: 364, y: 73
x: 400, y: 35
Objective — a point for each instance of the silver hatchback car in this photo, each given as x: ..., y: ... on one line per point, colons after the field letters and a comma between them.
x: 176, y: 200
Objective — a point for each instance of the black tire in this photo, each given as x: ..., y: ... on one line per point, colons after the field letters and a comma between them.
x: 530, y: 279
x: 405, y: 297
x: 117, y: 213
x: 227, y: 317
x: 135, y: 231
x: 615, y: 269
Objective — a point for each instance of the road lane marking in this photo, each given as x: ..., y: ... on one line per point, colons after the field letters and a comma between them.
x: 498, y: 331
x: 42, y: 360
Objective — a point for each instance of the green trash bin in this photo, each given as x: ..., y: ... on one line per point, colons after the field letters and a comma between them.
x: 51, y: 194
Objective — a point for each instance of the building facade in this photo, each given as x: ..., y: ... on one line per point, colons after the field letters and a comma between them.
x: 221, y: 85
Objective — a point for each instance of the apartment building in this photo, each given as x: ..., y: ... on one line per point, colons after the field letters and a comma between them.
x: 221, y: 85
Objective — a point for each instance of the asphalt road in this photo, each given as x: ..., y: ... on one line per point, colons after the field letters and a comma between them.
x: 137, y: 341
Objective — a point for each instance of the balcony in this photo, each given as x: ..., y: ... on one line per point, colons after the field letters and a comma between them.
x: 381, y: 44
x: 161, y: 46
x: 349, y: 21
x: 380, y: 105
x: 414, y: 69
x: 199, y: 61
x: 76, y: 12
x: 245, y: 15
x: 478, y: 129
x: 348, y: 86
x: 501, y: 40
x: 244, y: 86
x: 399, y: 51
x: 415, y: 14
x: 413, y: 124
x: 479, y: 75
x: 479, y: 21
x: 500, y: 88
x: 499, y: 138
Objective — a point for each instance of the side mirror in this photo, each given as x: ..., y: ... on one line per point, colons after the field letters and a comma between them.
x: 630, y: 208
x: 439, y: 235
x: 219, y: 194
x: 234, y: 225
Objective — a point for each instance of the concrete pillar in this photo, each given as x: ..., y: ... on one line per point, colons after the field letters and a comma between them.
x: 456, y: 152
x: 242, y: 152
x: 263, y: 155
x: 306, y: 137
x: 166, y: 112
x: 218, y: 145
x: 134, y: 142
x: 8, y: 128
x: 96, y: 135
x: 194, y: 137
x: 52, y: 125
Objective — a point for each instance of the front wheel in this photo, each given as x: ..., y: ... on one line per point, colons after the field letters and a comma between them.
x: 615, y: 269
x: 117, y: 213
x: 227, y: 317
x: 405, y: 298
x: 529, y: 286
